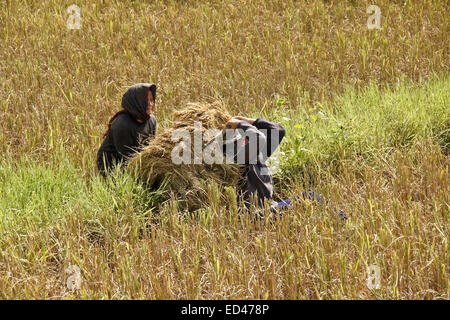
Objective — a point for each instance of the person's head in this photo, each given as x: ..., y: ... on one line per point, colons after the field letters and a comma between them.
x: 233, y: 142
x: 139, y: 100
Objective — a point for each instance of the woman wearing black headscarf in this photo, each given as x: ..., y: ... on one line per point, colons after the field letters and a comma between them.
x: 129, y: 127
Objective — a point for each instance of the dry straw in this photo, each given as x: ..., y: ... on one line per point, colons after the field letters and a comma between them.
x: 187, y: 182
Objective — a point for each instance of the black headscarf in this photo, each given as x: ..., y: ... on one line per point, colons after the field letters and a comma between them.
x: 135, y: 100
x: 135, y: 103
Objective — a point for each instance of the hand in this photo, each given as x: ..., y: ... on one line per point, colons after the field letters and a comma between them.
x: 248, y: 120
x: 232, y: 123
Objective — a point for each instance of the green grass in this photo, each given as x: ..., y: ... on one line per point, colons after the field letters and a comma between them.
x: 366, y: 113
x: 129, y: 243
x: 359, y: 127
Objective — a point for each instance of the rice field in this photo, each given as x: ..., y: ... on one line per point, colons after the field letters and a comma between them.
x: 367, y: 119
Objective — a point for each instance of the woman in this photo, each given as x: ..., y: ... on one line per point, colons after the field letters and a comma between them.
x: 129, y: 127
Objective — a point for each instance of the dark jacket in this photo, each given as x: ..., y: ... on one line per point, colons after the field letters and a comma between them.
x: 257, y: 179
x: 126, y: 134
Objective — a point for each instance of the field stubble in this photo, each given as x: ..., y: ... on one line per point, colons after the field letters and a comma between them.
x: 344, y: 90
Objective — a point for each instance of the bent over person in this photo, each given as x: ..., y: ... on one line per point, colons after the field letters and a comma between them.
x: 129, y: 127
x: 258, y: 140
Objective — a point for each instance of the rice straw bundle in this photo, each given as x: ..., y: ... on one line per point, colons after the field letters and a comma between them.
x: 187, y: 181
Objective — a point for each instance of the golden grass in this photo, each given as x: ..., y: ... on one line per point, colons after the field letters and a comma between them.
x: 59, y: 87
x: 187, y: 182
x: 398, y: 221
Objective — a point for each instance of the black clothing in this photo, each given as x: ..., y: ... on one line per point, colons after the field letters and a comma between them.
x: 256, y: 175
x: 135, y: 100
x: 123, y: 139
x: 126, y: 134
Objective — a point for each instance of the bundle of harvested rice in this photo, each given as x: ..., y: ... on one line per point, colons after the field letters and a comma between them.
x: 186, y: 181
